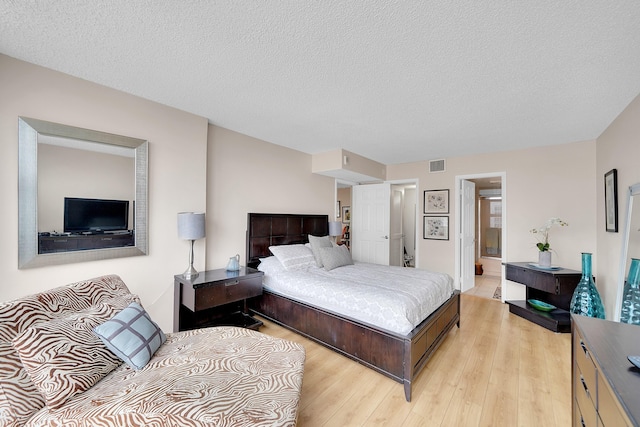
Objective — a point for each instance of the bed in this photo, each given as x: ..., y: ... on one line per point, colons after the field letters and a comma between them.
x: 400, y: 356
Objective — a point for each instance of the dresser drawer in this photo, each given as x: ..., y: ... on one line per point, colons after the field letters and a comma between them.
x: 586, y: 370
x: 57, y: 244
x: 610, y: 413
x: 587, y: 415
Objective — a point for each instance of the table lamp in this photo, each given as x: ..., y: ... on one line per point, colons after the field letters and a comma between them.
x: 191, y: 227
x: 335, y: 229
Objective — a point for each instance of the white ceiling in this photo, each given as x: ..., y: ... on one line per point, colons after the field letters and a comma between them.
x: 394, y: 81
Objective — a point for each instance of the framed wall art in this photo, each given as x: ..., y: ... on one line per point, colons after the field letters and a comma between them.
x: 436, y: 228
x: 346, y: 214
x: 611, y: 200
x: 436, y: 202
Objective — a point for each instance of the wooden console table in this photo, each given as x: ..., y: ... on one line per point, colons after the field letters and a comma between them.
x: 551, y: 286
x: 48, y: 244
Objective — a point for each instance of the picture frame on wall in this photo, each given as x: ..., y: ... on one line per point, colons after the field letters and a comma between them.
x: 346, y: 214
x: 436, y: 202
x: 611, y: 200
x: 436, y: 228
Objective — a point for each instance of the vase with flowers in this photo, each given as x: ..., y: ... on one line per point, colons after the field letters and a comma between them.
x: 544, y: 248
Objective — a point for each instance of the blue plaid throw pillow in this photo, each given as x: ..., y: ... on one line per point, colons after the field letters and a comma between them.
x: 131, y: 335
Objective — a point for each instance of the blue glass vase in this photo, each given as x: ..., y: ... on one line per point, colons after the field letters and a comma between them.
x: 630, y: 312
x: 586, y: 299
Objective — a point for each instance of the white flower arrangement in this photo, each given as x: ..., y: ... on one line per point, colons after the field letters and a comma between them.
x: 543, y: 240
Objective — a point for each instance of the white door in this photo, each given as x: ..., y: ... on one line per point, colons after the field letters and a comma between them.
x: 396, y: 236
x: 467, y: 235
x: 370, y: 212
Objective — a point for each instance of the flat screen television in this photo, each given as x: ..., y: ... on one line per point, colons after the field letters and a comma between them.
x: 95, y: 215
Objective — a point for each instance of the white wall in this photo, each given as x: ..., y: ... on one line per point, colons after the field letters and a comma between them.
x: 250, y: 175
x: 543, y: 182
x: 196, y: 166
x: 617, y: 148
x: 177, y: 178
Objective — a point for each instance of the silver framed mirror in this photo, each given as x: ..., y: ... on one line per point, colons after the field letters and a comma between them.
x: 33, y: 135
x: 630, y: 242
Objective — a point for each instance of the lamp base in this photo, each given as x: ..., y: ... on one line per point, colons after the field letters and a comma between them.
x: 191, y: 273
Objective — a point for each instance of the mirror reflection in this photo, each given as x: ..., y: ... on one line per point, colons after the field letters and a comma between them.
x: 89, y: 213
x: 631, y: 241
x: 82, y: 194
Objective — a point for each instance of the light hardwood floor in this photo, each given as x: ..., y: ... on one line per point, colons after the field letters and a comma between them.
x: 496, y: 370
x: 485, y: 286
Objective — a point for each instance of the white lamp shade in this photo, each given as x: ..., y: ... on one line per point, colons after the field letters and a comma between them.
x: 191, y: 225
x: 335, y: 228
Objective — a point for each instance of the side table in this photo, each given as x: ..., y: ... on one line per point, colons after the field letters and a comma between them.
x: 216, y: 298
x: 551, y: 286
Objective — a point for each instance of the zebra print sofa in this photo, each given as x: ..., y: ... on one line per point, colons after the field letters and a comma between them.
x: 53, y: 372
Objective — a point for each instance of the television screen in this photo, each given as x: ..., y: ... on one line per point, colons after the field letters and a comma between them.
x: 95, y: 215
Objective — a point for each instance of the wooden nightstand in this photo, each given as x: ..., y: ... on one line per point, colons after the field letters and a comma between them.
x: 216, y: 298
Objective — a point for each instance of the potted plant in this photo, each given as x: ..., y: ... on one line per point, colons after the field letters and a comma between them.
x: 544, y: 248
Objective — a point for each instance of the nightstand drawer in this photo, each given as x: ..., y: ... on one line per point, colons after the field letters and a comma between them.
x: 220, y: 292
x: 239, y: 289
x: 227, y: 291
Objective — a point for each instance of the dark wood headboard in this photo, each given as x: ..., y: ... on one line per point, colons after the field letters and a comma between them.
x: 264, y: 230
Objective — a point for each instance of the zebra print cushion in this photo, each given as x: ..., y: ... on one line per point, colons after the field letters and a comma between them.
x: 19, y: 397
x: 64, y: 357
x: 221, y: 376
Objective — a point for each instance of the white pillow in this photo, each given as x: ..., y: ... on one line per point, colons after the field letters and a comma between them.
x: 317, y: 243
x: 293, y: 257
x: 271, y: 265
x: 335, y: 257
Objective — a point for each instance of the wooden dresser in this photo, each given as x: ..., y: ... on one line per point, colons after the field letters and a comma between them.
x: 605, y: 385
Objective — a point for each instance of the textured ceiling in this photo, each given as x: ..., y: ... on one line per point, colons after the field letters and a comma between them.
x: 394, y: 81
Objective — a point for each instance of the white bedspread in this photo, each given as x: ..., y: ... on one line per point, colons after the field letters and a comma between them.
x: 393, y: 298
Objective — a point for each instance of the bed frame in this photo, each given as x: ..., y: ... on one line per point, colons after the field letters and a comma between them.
x: 400, y: 357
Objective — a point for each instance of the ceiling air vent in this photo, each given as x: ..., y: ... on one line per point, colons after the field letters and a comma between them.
x: 436, y: 166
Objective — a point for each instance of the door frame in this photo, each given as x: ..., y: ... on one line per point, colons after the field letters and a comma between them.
x: 458, y: 216
x: 466, y: 231
x: 417, y: 225
x: 418, y: 217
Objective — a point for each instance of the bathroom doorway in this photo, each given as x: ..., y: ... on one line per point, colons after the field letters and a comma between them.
x: 488, y: 237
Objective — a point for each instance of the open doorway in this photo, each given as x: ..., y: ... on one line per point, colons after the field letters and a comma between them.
x: 405, y: 197
x: 481, y: 273
x: 401, y: 217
